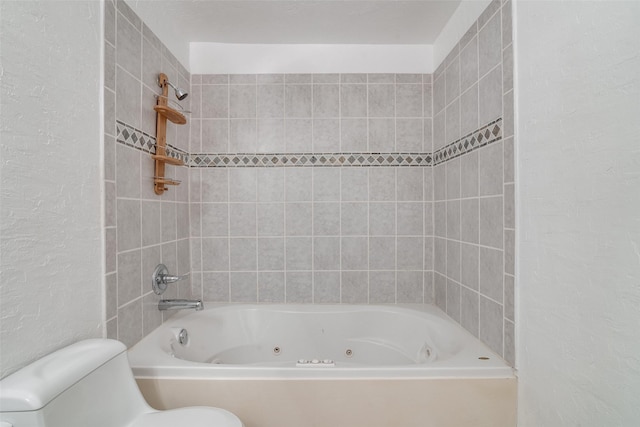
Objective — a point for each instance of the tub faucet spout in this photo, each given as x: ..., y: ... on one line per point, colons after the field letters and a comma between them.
x: 179, y: 304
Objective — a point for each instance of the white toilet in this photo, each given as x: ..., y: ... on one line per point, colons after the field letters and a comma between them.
x: 90, y: 384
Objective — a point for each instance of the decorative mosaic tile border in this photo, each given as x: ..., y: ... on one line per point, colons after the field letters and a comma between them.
x: 492, y: 132
x: 135, y: 138
x: 487, y: 134
x: 310, y: 160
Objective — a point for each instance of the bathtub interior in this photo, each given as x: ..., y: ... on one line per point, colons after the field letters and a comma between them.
x: 285, y: 336
x: 312, y: 336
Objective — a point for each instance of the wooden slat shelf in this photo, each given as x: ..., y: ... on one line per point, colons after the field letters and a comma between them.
x: 168, y: 160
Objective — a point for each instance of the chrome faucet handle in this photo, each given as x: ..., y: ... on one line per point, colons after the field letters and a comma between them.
x: 161, y: 279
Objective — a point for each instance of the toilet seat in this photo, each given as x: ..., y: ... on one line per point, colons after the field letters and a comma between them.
x: 195, y: 416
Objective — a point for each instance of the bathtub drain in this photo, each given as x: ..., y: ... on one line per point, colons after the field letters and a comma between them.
x: 276, y: 350
x: 349, y: 352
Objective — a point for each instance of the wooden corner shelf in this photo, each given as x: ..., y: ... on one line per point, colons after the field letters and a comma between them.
x: 172, y: 115
x: 164, y: 113
x: 167, y: 181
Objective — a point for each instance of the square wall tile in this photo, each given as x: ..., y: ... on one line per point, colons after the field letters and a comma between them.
x: 382, y: 184
x: 242, y: 101
x: 326, y: 100
x: 469, y: 264
x: 382, y: 287
x: 453, y: 300
x: 354, y: 253
x: 242, y: 184
x: 298, y: 219
x: 355, y: 287
x: 215, y: 185
x: 215, y: 102
x: 410, y: 218
x: 470, y: 310
x: 215, y: 219
x: 128, y: 224
x: 270, y: 101
x: 298, y: 184
x: 326, y: 287
x: 129, y: 276
x: 409, y: 100
x: 382, y: 135
x: 410, y: 253
x: 353, y: 135
x: 326, y: 135
x: 243, y: 287
x: 353, y: 100
x: 382, y: 253
x: 215, y: 287
x: 491, y: 222
x: 490, y: 169
x: 215, y: 254
x: 243, y: 254
x: 270, y: 219
x: 270, y: 137
x: 489, y: 45
x: 353, y: 219
x: 490, y: 96
x: 326, y: 253
x: 298, y: 253
x: 440, y: 291
x: 326, y: 184
x: 409, y: 287
x: 491, y: 273
x: 491, y: 324
x: 409, y: 135
x: 381, y: 100
x: 299, y: 287
x: 298, y: 135
x: 326, y: 219
x: 382, y: 218
x: 242, y: 219
x: 271, y: 287
x: 298, y: 100
x: 452, y: 81
x: 354, y: 185
x: 271, y: 254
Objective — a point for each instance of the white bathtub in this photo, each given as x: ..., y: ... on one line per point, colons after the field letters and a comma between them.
x: 284, y: 340
x: 372, y: 365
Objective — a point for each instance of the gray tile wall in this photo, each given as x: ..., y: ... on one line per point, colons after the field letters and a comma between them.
x: 293, y: 113
x: 142, y: 229
x: 316, y: 235
x: 474, y: 217
x: 312, y: 235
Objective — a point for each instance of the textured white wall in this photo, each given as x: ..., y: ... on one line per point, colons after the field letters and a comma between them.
x: 50, y: 194
x: 578, y: 106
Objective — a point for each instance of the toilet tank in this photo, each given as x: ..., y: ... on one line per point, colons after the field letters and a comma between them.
x: 88, y: 383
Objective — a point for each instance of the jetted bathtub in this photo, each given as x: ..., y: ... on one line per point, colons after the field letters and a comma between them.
x: 326, y: 365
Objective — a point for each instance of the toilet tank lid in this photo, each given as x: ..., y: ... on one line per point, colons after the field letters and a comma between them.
x: 37, y: 384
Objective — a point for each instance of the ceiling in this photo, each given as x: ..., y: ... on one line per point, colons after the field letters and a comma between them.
x: 297, y: 21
